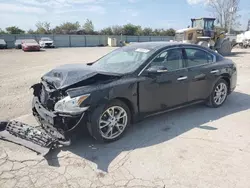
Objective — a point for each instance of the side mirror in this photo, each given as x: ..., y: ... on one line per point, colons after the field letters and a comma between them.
x: 156, y: 69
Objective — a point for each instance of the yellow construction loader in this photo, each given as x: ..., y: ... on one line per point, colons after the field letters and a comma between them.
x: 202, y: 32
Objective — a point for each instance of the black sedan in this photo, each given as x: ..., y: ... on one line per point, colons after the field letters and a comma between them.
x: 129, y: 84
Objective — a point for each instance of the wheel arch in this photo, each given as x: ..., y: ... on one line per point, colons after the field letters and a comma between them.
x: 129, y: 105
x: 226, y: 77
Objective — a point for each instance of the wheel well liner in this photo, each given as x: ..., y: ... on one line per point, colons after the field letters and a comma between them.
x: 227, y: 79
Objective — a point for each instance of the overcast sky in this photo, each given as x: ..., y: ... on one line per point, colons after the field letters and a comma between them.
x: 148, y: 13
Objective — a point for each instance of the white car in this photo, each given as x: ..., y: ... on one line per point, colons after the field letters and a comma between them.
x: 46, y: 42
x: 243, y: 39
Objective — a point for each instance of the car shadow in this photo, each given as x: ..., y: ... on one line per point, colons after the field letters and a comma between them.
x: 152, y: 131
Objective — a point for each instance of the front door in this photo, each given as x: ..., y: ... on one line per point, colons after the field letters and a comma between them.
x: 164, y: 89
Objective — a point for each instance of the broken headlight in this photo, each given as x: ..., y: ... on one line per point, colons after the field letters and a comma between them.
x: 71, y: 105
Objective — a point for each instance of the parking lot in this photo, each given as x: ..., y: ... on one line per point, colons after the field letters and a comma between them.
x: 192, y: 147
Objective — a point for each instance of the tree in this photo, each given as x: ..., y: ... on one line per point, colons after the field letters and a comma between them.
x: 43, y: 28
x: 88, y: 27
x: 130, y: 29
x: 224, y: 10
x: 169, y: 32
x: 147, y: 31
x: 30, y: 31
x: 14, y: 30
x: 117, y: 30
x: 106, y: 31
x: 2, y: 31
x: 66, y: 28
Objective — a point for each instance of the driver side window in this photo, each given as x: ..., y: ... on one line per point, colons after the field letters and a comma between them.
x: 170, y: 59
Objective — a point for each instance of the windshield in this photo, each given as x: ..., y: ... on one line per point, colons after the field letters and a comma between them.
x: 123, y: 60
x: 45, y: 39
x: 30, y: 41
x: 2, y: 41
x: 19, y: 41
x: 198, y: 23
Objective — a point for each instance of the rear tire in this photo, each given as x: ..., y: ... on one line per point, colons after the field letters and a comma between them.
x: 218, y: 95
x: 109, y: 123
x: 225, y: 48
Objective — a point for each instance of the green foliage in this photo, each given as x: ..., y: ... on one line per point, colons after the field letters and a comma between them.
x: 30, y: 31
x: 88, y: 27
x: 2, y: 31
x: 67, y: 28
x: 117, y: 30
x: 130, y: 29
x: 14, y: 30
x: 43, y: 28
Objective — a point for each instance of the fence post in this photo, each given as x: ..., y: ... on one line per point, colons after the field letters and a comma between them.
x: 69, y: 40
x: 150, y: 38
x: 85, y: 40
x: 138, y: 38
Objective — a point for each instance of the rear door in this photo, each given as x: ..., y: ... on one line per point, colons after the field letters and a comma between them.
x: 201, y: 72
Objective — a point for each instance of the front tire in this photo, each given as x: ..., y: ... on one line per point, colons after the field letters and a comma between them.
x: 109, y: 123
x: 219, y: 94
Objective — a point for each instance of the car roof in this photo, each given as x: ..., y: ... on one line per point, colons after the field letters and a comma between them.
x: 2, y: 41
x: 46, y: 38
x: 29, y: 40
x: 161, y: 44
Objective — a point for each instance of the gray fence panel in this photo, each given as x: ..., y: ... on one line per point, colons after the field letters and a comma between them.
x: 167, y: 38
x: 78, y: 41
x: 156, y: 38
x: 132, y: 38
x: 103, y: 40
x: 92, y: 40
x: 62, y: 41
x: 9, y: 39
x: 144, y: 39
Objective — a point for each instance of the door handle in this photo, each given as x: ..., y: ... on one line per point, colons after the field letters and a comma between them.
x: 182, y: 78
x: 214, y: 71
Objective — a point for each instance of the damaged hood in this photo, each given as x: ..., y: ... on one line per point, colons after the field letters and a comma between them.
x: 67, y: 75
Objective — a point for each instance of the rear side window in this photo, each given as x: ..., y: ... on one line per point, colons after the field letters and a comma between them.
x: 196, y: 57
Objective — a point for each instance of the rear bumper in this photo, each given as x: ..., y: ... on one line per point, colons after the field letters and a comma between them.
x: 67, y: 123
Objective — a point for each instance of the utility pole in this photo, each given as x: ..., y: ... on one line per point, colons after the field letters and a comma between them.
x: 248, y: 25
x: 232, y: 10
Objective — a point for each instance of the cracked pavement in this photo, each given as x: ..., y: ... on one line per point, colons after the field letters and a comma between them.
x: 191, y: 147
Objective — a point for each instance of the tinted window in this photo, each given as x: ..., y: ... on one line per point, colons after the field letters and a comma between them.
x: 197, y: 57
x: 170, y: 59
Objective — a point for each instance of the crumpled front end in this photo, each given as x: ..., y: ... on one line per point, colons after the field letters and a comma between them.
x: 43, y: 105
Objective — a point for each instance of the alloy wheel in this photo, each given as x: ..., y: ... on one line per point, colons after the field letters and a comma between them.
x: 113, y: 122
x: 220, y: 93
